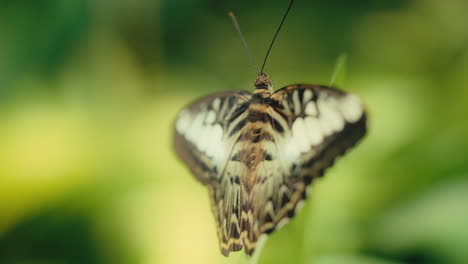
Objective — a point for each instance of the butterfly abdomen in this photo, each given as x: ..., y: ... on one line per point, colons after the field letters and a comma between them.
x: 255, y: 136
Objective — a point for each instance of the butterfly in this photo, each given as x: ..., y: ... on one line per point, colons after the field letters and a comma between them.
x: 258, y: 152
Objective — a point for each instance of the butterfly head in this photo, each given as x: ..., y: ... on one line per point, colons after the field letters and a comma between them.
x: 263, y: 82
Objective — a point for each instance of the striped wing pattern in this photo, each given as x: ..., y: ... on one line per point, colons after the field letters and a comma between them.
x: 202, y: 136
x: 267, y: 149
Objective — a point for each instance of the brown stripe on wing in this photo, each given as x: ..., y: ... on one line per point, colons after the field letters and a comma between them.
x: 226, y: 199
x: 228, y: 235
x: 284, y: 207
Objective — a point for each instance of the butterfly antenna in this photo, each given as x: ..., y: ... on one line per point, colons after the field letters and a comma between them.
x: 236, y: 25
x: 276, y: 34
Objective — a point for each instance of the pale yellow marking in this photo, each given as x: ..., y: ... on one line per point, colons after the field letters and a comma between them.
x: 307, y: 96
x: 310, y: 109
x: 196, y: 127
x: 216, y: 148
x: 299, y: 206
x: 296, y: 102
x: 204, y: 140
x: 234, y: 219
x: 291, y: 149
x: 351, y: 108
x: 282, y: 223
x: 183, y: 122
x: 298, y: 140
x: 269, y: 209
x: 210, y: 117
x: 220, y: 206
x: 230, y: 242
x: 216, y: 103
x: 336, y: 117
x: 330, y: 119
x: 257, y: 107
x: 314, y: 133
x: 299, y: 135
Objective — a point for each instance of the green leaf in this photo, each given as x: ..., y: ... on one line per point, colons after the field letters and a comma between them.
x: 339, y: 72
x: 258, y: 250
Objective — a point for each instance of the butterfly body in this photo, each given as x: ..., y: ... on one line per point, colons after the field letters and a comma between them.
x: 257, y: 152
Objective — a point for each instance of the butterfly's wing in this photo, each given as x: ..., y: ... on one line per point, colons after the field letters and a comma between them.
x: 311, y: 126
x: 205, y: 135
x: 323, y: 123
x: 226, y: 206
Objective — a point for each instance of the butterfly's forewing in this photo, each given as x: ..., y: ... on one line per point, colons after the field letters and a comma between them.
x: 322, y: 123
x: 205, y: 132
x: 311, y: 127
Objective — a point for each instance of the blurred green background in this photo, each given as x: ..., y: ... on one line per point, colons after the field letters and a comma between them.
x: 89, y: 91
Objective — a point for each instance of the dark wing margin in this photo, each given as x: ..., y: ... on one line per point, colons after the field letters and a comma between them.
x: 201, y: 132
x: 313, y: 125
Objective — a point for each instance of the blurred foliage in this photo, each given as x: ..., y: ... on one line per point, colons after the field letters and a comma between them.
x: 89, y: 91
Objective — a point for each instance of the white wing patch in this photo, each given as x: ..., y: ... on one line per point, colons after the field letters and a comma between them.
x: 314, y: 135
x: 318, y: 120
x: 351, y: 108
x: 183, y: 121
x: 205, y: 141
x: 330, y: 119
x: 203, y: 132
x: 210, y: 117
x: 310, y: 109
x: 307, y: 96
